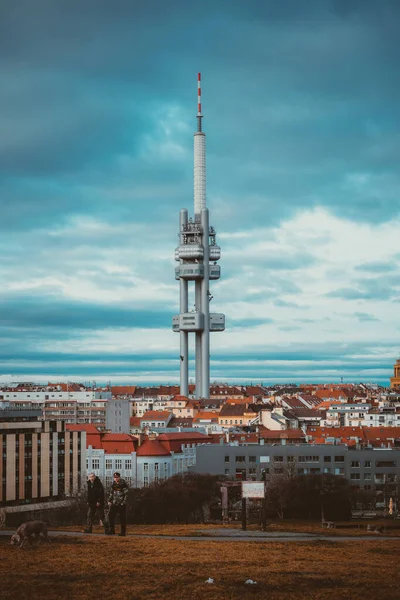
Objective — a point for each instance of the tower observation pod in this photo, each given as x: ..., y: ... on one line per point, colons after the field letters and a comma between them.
x: 197, y: 255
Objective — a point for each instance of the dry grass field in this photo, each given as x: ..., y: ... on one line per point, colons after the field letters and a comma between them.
x: 348, y: 528
x: 97, y: 567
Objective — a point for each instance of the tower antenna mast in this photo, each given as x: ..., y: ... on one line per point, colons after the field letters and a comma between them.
x: 197, y: 255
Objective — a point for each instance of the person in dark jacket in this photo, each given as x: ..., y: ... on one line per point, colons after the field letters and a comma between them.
x: 117, y: 502
x: 95, y: 500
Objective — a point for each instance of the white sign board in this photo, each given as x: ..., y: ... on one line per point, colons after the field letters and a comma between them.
x: 253, y: 489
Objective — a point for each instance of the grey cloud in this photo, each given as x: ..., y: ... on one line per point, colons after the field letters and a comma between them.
x: 283, y: 304
x: 52, y: 312
x: 117, y: 56
x: 248, y: 323
x: 329, y: 362
x: 377, y: 288
x: 364, y: 317
x: 377, y: 267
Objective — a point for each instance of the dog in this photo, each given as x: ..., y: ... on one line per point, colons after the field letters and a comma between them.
x: 25, y: 532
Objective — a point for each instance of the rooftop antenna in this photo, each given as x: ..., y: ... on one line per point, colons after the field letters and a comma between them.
x: 199, y: 114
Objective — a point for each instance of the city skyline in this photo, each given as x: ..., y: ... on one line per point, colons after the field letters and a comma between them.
x: 303, y: 187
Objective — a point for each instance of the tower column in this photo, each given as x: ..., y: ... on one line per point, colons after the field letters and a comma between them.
x: 184, y: 335
x: 198, y: 341
x: 205, y: 307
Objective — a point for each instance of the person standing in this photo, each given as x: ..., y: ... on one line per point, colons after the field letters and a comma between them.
x: 117, y: 502
x: 95, y: 500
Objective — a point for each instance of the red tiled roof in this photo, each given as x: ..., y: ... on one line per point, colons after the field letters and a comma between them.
x: 381, y: 433
x: 118, y: 443
x: 123, y: 390
x: 156, y: 415
x: 331, y: 393
x: 206, y: 416
x: 134, y: 421
x: 173, y: 441
x: 327, y: 404
x: 117, y: 437
x: 152, y: 448
x: 280, y: 434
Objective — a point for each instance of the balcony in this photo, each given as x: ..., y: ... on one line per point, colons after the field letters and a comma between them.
x: 192, y: 321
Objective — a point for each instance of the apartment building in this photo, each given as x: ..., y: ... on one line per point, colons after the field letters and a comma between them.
x: 60, y: 402
x: 140, y: 406
x: 372, y: 469
x: 346, y: 414
x: 141, y: 464
x: 40, y: 460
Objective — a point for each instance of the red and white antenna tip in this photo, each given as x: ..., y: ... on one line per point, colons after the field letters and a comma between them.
x: 199, y: 93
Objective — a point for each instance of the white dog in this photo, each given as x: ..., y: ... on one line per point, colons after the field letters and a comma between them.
x: 28, y: 529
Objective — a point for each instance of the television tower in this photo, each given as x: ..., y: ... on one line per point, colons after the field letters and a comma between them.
x: 197, y: 254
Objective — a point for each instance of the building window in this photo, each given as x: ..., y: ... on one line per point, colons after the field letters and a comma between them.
x: 385, y: 463
x: 146, y: 481
x: 240, y: 474
x: 252, y: 459
x: 354, y: 475
x: 145, y: 466
x: 108, y: 463
x: 95, y: 463
x: 118, y: 464
x: 367, y: 464
x: 355, y: 464
x: 156, y: 466
x: 226, y: 471
x: 327, y: 459
x: 278, y: 458
x: 226, y: 459
x: 240, y: 459
x: 128, y: 464
x: 339, y: 459
x: 367, y: 476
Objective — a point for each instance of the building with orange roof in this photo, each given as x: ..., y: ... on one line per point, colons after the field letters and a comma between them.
x: 123, y: 390
x: 181, y: 406
x: 346, y: 414
x: 291, y: 436
x: 234, y: 415
x: 395, y: 380
x: 208, y: 421
x: 154, y: 419
x: 223, y: 392
x: 335, y: 435
x: 143, y: 462
x: 333, y: 393
x: 382, y: 437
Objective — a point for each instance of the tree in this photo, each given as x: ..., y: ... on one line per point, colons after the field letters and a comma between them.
x: 179, y: 499
x: 316, y: 496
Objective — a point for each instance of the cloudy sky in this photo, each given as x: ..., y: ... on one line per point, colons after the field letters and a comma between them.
x: 301, y: 105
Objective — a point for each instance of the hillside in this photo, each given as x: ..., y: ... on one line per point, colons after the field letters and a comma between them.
x: 95, y: 567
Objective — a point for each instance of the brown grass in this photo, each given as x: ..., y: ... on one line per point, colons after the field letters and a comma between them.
x: 130, y: 568
x: 348, y: 528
